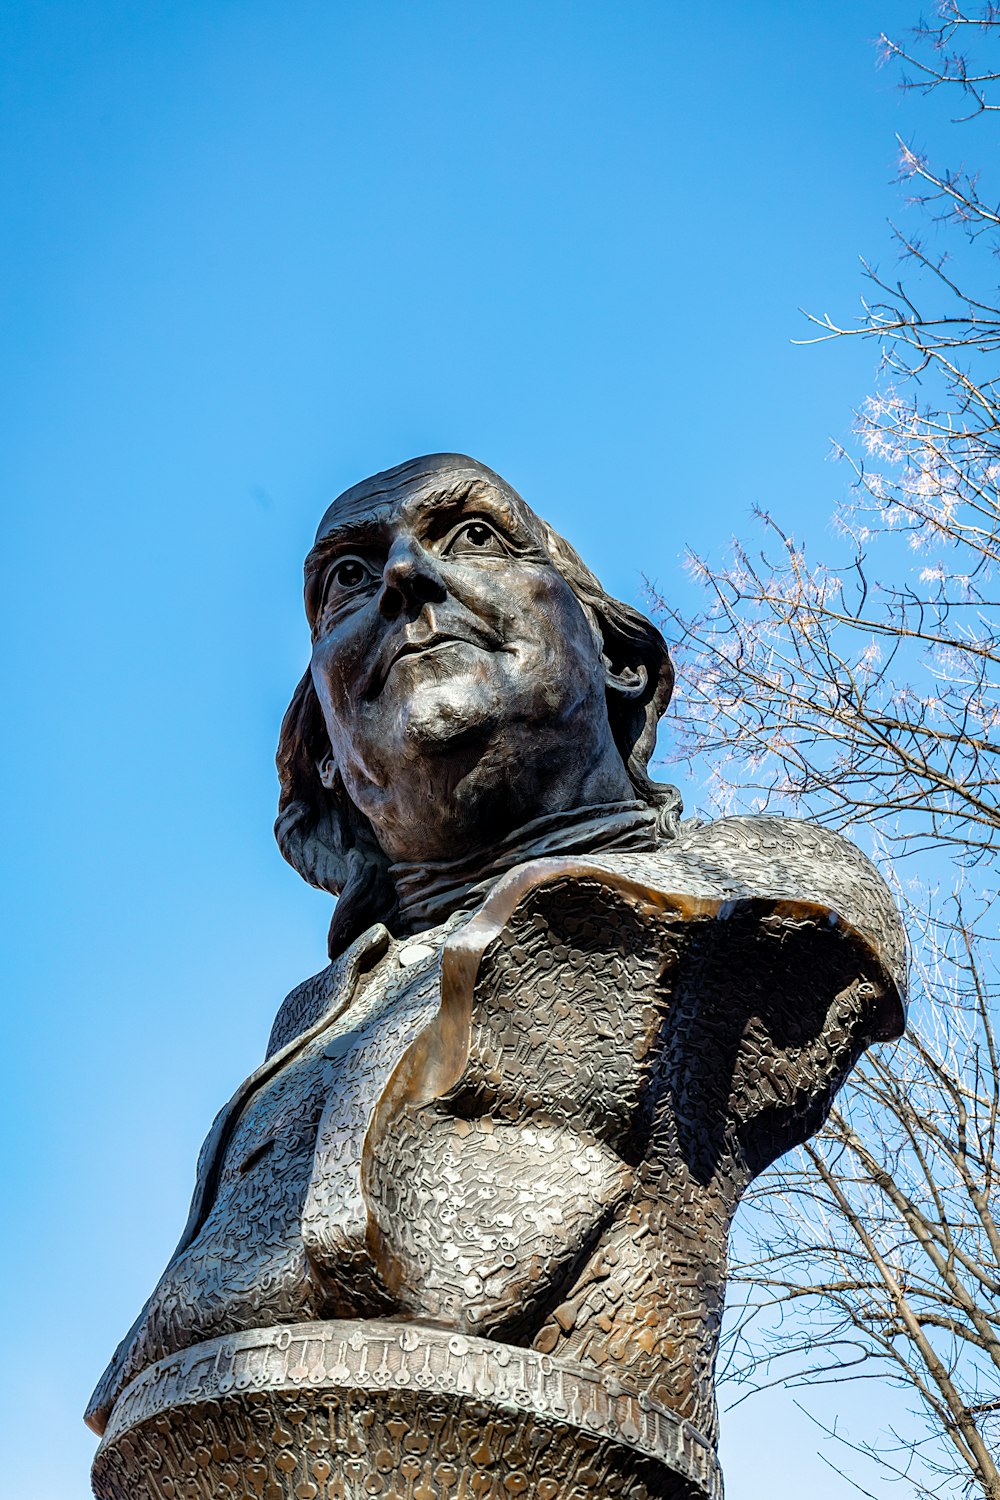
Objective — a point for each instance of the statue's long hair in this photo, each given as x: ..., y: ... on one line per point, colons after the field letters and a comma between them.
x: 332, y: 845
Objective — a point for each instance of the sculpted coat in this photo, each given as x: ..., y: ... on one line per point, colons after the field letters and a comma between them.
x: 519, y: 1107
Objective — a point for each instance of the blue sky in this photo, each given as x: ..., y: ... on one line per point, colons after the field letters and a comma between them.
x: 250, y: 253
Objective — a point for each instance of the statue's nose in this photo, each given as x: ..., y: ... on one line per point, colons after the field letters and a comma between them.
x: 410, y: 579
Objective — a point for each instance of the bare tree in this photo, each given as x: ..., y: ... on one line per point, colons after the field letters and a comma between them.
x: 867, y: 696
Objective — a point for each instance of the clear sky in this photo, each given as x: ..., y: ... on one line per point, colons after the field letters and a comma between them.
x: 252, y: 252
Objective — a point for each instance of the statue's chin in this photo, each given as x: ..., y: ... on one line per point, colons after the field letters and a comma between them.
x: 458, y: 749
x: 446, y: 708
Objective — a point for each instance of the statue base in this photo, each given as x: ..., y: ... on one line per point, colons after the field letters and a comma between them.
x: 348, y: 1410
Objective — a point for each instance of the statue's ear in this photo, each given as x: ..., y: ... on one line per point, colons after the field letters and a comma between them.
x: 329, y: 773
x: 638, y: 676
x: 311, y: 838
x: 630, y: 678
x: 625, y: 671
x: 320, y: 831
x: 315, y: 829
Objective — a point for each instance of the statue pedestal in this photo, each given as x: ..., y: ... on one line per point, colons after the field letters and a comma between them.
x: 348, y: 1410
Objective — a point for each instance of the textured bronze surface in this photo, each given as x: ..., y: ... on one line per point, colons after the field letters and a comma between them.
x: 464, y: 1232
x: 347, y: 1408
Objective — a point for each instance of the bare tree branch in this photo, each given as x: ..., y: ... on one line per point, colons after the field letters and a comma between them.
x: 867, y: 696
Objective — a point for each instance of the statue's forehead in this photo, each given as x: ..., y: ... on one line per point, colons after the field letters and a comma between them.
x: 411, y: 487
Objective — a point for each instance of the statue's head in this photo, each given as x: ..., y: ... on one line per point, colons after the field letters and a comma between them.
x: 468, y: 674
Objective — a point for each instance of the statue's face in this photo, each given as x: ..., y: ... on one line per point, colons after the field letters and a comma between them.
x: 446, y: 646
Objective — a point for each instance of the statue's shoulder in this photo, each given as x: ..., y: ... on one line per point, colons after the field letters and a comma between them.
x: 775, y: 859
x: 769, y: 836
x: 793, y: 859
x: 325, y: 994
x: 300, y: 1008
x: 768, y: 847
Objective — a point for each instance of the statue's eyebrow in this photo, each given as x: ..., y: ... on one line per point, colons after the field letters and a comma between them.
x: 371, y: 529
x: 450, y: 500
x: 362, y: 531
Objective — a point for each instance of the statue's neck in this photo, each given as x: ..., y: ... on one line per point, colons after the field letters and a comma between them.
x: 429, y: 891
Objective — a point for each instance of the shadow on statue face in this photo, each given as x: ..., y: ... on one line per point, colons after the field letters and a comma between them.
x: 462, y: 684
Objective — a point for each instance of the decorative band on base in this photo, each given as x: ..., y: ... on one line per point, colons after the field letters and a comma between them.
x: 344, y: 1409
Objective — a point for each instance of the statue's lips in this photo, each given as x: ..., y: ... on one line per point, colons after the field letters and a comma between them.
x: 421, y: 646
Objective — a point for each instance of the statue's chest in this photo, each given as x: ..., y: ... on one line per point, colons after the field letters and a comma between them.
x: 301, y: 1135
x: 287, y: 1204
x: 486, y: 1187
x: 359, y: 1057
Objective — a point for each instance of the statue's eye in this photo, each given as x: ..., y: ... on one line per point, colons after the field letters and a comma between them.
x: 346, y: 574
x: 475, y: 537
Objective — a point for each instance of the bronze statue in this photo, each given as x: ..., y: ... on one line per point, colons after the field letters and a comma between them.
x: 463, y: 1234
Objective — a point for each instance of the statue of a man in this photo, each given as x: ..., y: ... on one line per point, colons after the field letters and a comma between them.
x: 464, y: 1232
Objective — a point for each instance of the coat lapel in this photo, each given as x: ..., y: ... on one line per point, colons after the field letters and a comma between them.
x: 344, y: 974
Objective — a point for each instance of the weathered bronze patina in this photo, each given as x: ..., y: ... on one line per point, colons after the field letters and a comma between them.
x: 463, y: 1234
